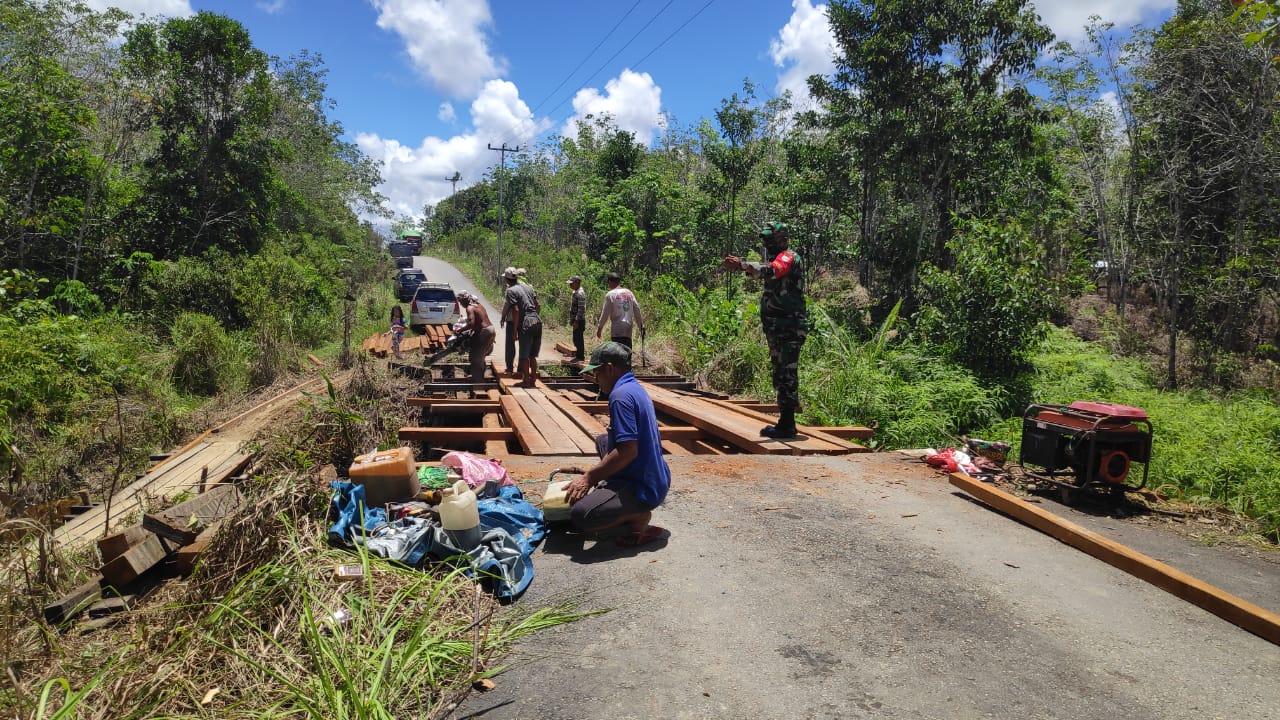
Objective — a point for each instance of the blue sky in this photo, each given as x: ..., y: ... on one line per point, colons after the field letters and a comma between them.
x: 425, y: 86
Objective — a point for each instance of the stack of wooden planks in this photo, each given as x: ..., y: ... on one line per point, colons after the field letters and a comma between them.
x: 562, y: 416
x: 431, y: 340
x: 201, y: 464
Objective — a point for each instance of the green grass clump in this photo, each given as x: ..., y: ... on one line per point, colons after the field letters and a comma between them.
x: 289, y: 641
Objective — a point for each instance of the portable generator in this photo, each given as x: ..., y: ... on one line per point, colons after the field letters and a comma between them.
x: 1092, y: 444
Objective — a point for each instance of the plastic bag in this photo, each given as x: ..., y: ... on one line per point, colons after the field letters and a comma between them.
x: 477, y: 471
x: 952, y: 460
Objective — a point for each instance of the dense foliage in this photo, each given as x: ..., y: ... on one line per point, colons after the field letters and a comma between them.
x: 178, y: 218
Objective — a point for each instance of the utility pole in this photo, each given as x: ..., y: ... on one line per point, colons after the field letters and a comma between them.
x: 502, y: 216
x: 456, y: 177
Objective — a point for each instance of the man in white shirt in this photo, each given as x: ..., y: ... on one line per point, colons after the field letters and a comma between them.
x: 621, y: 310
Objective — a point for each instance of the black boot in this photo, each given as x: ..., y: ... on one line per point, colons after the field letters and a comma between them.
x: 786, y: 427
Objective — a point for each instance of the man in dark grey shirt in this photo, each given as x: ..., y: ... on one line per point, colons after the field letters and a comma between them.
x: 521, y: 308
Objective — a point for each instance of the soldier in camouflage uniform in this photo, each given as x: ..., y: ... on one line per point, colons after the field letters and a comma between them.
x: 783, y: 317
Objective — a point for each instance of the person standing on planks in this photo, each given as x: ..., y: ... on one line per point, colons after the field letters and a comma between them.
x: 578, y: 317
x: 632, y: 478
x: 509, y: 337
x: 521, y: 308
x: 621, y: 310
x: 480, y: 328
x: 783, y: 316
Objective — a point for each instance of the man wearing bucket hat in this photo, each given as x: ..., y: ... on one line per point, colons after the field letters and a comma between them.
x: 632, y: 478
x: 783, y: 317
x: 521, y: 308
x: 509, y: 336
x: 578, y: 317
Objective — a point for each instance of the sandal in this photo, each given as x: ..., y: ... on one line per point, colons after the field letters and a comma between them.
x: 644, y: 537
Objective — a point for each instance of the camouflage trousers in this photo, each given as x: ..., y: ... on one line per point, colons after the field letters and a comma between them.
x: 784, y: 355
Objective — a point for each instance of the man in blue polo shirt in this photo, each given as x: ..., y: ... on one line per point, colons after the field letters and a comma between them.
x: 631, y: 478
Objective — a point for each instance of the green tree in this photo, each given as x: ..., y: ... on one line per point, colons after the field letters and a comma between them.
x: 210, y: 180
x: 929, y: 98
x: 987, y: 312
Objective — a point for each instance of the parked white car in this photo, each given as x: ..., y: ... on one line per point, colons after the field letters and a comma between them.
x: 433, y: 304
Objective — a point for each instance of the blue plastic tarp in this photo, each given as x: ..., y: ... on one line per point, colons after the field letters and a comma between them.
x: 511, y: 529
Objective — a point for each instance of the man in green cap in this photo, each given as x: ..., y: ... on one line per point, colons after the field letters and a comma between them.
x: 631, y: 478
x: 783, y: 317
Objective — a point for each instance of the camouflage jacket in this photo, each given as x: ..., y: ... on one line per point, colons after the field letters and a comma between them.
x: 782, y: 304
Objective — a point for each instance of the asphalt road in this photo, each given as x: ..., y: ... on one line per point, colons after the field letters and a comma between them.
x: 868, y: 587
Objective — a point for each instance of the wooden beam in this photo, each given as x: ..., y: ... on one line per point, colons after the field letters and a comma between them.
x: 186, y: 520
x: 138, y: 559
x: 526, y: 434
x: 845, y: 432
x: 681, y: 432
x: 113, y: 546
x: 1235, y: 610
x: 552, y: 427
x: 455, y: 434
x: 431, y: 402
x: 811, y: 439
x: 494, y: 448
x: 674, y: 448
x: 71, y: 604
x: 474, y: 408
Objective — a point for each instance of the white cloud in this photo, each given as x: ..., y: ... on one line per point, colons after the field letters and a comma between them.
x: 272, y: 7
x: 1067, y: 18
x: 804, y: 47
x: 446, y: 112
x: 631, y: 99
x: 167, y: 8
x: 414, y: 177
x: 445, y: 41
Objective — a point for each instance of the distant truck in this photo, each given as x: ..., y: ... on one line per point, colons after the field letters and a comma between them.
x: 413, y: 238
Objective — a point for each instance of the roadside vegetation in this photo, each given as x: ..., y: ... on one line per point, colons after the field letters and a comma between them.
x: 180, y: 226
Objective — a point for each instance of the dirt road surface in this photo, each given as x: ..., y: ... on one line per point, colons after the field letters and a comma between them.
x: 868, y: 587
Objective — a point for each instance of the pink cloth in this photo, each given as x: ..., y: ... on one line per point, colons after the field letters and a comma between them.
x: 477, y: 471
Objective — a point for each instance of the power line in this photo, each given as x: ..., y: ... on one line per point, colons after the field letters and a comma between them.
x: 693, y: 17
x: 533, y: 120
x: 586, y: 57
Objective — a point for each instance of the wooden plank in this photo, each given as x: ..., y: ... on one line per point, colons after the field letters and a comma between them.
x: 740, y: 431
x: 455, y: 434
x: 528, y: 436
x: 186, y: 557
x: 578, y: 415
x: 137, y: 560
x: 74, y: 602
x: 811, y: 440
x: 845, y: 432
x: 1233, y: 609
x: 494, y: 448
x: 111, y: 606
x: 113, y: 546
x: 431, y: 402
x: 473, y: 408
x: 674, y: 448
x: 702, y: 447
x: 186, y: 520
x: 559, y: 441
x: 681, y: 432
x: 582, y: 443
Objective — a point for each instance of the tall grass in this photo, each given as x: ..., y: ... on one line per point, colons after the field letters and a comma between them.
x: 289, y: 641
x: 1215, y: 448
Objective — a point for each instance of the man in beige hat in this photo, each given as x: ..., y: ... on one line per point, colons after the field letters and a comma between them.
x: 522, y: 309
x: 509, y: 336
x: 578, y: 317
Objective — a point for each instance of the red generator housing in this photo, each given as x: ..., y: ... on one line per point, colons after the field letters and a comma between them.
x: 1095, y: 442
